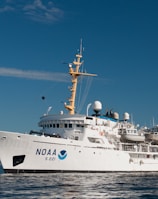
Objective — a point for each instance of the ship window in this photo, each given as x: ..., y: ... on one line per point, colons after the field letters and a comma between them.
x: 65, y: 125
x: 50, y: 125
x: 89, y: 118
x: 79, y: 125
x: 53, y: 125
x: 76, y: 137
x: 61, y: 125
x: 57, y: 125
x: 95, y: 140
x: 70, y: 125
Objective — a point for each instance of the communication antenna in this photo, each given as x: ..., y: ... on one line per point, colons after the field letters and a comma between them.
x: 81, y: 48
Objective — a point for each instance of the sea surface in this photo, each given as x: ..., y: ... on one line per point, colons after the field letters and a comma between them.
x: 78, y: 186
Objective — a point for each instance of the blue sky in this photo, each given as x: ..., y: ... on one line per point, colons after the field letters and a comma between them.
x: 120, y: 39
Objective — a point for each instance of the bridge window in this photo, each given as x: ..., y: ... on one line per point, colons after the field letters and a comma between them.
x: 65, y: 125
x: 70, y: 125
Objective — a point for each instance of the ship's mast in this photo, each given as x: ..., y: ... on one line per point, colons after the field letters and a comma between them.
x: 74, y: 72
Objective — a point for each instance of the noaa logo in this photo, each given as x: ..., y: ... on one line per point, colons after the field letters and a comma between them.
x: 62, y: 155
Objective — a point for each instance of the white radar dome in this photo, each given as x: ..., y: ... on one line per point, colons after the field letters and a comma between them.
x: 126, y: 116
x: 116, y: 115
x: 97, y: 106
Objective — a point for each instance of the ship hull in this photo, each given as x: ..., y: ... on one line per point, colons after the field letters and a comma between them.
x: 38, y: 154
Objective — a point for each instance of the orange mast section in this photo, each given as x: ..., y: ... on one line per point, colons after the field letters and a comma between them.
x: 74, y: 72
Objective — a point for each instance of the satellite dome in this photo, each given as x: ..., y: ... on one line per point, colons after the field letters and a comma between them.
x: 97, y: 106
x: 126, y: 116
x: 116, y: 115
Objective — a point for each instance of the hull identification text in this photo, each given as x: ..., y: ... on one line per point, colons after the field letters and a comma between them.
x: 51, y: 154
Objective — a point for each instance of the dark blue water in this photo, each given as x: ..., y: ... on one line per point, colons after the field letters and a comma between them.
x: 78, y: 186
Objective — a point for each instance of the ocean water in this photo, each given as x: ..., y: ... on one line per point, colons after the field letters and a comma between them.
x: 78, y: 186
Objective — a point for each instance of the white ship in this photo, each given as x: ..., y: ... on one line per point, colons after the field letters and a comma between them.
x: 69, y: 142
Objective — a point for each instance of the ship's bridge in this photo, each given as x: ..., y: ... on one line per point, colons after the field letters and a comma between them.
x: 64, y: 125
x: 58, y: 121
